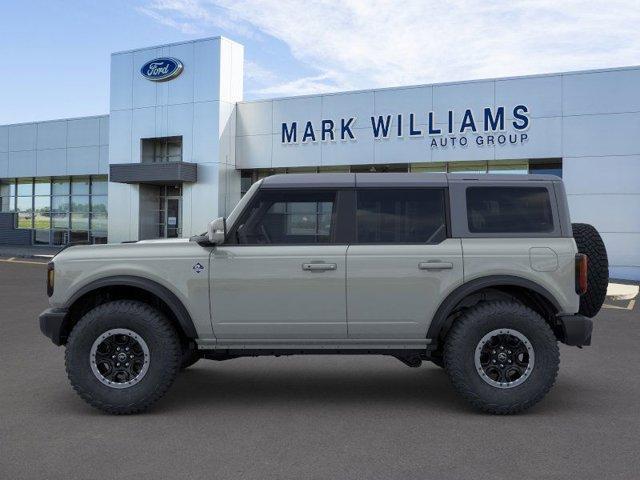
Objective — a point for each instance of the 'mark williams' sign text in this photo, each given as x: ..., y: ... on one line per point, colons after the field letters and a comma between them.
x: 490, y: 127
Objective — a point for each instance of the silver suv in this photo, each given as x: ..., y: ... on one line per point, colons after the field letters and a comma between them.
x: 481, y: 275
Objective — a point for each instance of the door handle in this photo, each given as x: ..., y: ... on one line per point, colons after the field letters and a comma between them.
x: 435, y: 265
x: 318, y: 267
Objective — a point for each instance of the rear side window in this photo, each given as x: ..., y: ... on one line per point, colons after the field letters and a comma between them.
x: 509, y: 210
x: 401, y: 216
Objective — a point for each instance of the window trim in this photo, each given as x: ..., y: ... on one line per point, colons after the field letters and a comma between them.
x: 337, y: 224
x: 460, y: 226
x: 447, y: 215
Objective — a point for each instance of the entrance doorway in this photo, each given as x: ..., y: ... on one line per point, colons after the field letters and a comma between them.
x: 172, y: 227
x: 160, y: 211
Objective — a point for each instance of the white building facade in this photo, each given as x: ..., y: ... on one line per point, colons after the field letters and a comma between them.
x: 179, y: 146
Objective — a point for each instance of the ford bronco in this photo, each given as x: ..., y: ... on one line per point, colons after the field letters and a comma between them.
x: 482, y: 275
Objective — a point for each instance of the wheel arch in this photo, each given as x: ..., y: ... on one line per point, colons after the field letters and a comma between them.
x: 130, y: 287
x: 522, y: 289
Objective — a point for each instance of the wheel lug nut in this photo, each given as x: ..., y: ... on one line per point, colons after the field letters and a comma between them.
x: 126, y: 364
x: 509, y: 351
x: 509, y: 361
x: 493, y: 351
x: 127, y: 349
x: 113, y: 356
x: 494, y: 361
x: 130, y: 356
x: 501, y: 348
x: 117, y: 364
x: 118, y: 349
x: 501, y: 366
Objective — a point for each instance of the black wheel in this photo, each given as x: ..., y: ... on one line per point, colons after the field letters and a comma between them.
x: 590, y: 243
x: 190, y: 355
x: 122, y: 356
x: 502, y: 357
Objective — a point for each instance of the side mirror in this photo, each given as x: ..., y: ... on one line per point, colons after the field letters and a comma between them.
x: 217, y: 231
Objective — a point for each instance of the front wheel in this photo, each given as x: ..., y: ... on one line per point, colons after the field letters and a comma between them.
x: 122, y: 356
x: 502, y: 357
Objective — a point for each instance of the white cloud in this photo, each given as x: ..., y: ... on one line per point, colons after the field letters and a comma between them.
x: 362, y: 44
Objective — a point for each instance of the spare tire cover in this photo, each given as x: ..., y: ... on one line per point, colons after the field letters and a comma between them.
x: 590, y: 243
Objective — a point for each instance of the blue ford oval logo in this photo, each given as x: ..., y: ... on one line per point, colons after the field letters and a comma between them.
x: 162, y: 69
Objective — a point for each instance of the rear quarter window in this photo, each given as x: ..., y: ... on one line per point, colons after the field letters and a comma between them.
x: 509, y: 210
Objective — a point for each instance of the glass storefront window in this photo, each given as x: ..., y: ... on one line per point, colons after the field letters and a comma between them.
x: 25, y: 212
x: 78, y: 237
x: 42, y: 212
x: 25, y: 188
x: 80, y: 186
x: 99, y: 204
x: 467, y: 167
x: 98, y: 237
x: 428, y: 167
x: 552, y: 166
x: 42, y: 186
x: 99, y: 185
x: 60, y: 220
x: 60, y: 204
x: 80, y: 221
x: 99, y: 222
x: 60, y: 186
x: 334, y: 169
x: 7, y: 195
x: 80, y: 203
x: 511, y: 167
x: 59, y: 237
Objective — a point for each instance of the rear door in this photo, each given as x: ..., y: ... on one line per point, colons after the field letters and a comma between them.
x: 402, y: 263
x: 282, y: 275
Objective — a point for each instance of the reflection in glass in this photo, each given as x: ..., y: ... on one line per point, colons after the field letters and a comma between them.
x: 42, y: 212
x: 25, y: 187
x: 80, y: 221
x: 80, y: 186
x: 99, y: 185
x: 60, y: 186
x: 80, y: 203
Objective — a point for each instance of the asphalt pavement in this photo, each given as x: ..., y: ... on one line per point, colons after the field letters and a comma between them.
x: 313, y: 417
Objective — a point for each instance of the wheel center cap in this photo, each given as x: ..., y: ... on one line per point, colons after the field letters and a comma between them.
x: 122, y: 357
x: 502, y: 357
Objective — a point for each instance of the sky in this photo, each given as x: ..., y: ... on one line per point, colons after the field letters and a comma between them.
x: 55, y: 53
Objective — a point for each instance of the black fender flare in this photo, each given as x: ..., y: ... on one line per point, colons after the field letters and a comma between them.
x: 460, y: 293
x: 163, y: 293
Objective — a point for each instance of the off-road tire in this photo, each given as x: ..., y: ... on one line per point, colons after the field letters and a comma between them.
x: 590, y: 243
x: 464, y: 337
x: 164, y: 352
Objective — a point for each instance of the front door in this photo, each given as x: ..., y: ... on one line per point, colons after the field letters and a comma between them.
x: 282, y: 273
x: 401, y: 264
x: 173, y: 220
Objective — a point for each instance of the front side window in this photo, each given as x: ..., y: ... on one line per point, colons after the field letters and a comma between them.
x: 509, y: 210
x: 401, y: 216
x: 288, y: 217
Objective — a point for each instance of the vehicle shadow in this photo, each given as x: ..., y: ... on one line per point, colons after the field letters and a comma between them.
x: 205, y: 386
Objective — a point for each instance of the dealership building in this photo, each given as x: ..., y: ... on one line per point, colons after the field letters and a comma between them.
x: 179, y: 146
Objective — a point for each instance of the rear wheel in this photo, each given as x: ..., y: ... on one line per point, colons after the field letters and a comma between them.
x: 590, y: 243
x: 502, y: 357
x: 122, y: 356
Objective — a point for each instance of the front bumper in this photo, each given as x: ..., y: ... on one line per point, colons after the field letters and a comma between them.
x: 575, y: 330
x: 52, y: 324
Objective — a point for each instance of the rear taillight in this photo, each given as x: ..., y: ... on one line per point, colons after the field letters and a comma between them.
x: 581, y: 273
x: 51, y: 274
